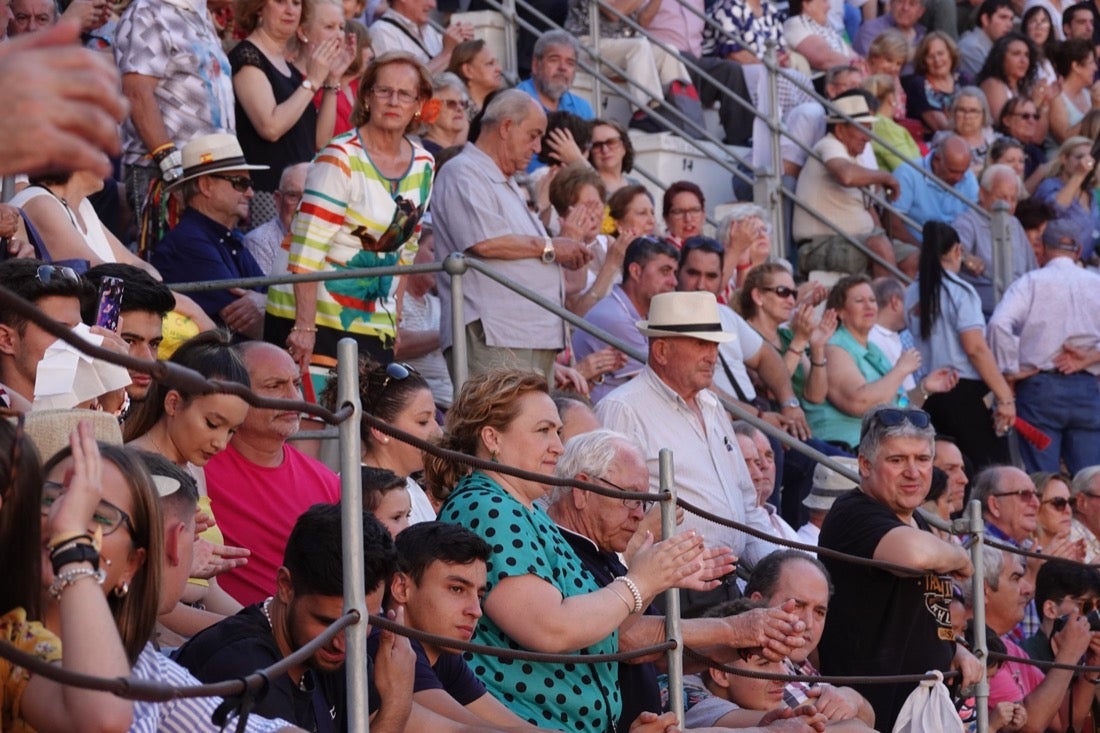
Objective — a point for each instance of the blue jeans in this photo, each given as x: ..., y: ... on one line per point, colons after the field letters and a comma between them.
x: 1067, y: 408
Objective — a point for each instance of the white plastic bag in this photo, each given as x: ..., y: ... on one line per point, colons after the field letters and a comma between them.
x: 929, y: 709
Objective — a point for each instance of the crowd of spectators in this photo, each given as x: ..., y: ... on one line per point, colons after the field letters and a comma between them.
x: 177, y: 534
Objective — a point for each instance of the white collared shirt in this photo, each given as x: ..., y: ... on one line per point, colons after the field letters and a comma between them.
x: 708, y: 466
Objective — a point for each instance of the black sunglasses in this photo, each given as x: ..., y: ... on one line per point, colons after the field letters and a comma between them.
x: 396, y: 371
x: 891, y: 417
x: 47, y: 274
x: 1059, y: 503
x: 782, y: 291
x: 239, y: 183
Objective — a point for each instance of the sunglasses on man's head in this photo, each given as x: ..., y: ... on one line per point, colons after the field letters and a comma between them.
x: 891, y: 417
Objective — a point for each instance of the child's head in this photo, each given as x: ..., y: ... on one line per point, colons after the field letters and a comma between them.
x: 888, y: 53
x: 386, y: 497
x: 746, y: 692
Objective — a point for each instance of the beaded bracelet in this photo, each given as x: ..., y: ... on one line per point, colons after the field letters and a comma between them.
x: 633, y: 591
x: 69, y: 577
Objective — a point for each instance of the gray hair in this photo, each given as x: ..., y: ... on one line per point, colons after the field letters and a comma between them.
x: 554, y: 38
x: 593, y: 454
x: 744, y: 427
x: 289, y: 171
x: 1084, y: 478
x: 993, y: 563
x: 873, y: 433
x: 978, y: 94
x: 449, y: 80
x: 736, y: 213
x: 985, y: 485
x: 887, y: 287
x: 510, y: 104
x: 989, y: 175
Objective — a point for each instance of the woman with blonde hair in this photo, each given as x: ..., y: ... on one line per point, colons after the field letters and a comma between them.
x: 901, y: 146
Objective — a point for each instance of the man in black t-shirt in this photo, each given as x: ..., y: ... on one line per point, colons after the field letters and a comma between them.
x: 309, y: 597
x: 880, y: 623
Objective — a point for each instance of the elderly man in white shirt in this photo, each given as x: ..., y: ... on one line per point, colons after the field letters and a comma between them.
x: 1045, y: 335
x: 669, y: 405
x: 405, y: 27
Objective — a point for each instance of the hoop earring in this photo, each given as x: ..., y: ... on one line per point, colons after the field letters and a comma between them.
x: 120, y: 591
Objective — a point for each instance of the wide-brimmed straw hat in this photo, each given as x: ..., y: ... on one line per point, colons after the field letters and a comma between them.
x: 855, y: 107
x: 828, y: 484
x: 215, y: 153
x: 49, y: 430
x: 684, y: 314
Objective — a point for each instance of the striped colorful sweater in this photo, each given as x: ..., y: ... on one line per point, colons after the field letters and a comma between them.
x: 352, y: 216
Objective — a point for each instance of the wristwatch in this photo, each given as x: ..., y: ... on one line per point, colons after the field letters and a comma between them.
x: 548, y: 250
x: 308, y: 85
x: 792, y: 402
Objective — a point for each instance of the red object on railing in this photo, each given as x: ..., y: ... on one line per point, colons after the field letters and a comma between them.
x: 1032, y: 434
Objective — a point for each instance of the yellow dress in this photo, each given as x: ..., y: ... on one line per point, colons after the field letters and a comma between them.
x: 33, y: 638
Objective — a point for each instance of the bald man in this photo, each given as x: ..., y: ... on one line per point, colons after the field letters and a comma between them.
x: 924, y: 201
x: 260, y: 483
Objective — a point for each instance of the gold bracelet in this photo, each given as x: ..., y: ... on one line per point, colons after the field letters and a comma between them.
x: 304, y: 329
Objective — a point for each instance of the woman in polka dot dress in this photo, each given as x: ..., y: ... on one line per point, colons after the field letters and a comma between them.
x: 539, y: 597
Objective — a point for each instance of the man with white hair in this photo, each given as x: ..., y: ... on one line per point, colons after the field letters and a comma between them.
x: 880, y: 522
x: 670, y: 405
x: 599, y: 527
x: 479, y: 211
x: 1086, y: 511
x: 999, y: 183
x: 265, y: 241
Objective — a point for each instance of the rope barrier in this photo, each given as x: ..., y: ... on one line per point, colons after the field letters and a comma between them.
x: 838, y: 680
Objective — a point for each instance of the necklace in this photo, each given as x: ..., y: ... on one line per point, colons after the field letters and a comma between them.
x: 266, y: 608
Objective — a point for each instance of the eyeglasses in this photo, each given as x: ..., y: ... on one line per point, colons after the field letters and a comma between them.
x: 782, y: 291
x: 404, y: 96
x: 693, y: 211
x: 292, y: 195
x: 240, y: 184
x: 395, y: 371
x: 1060, y: 503
x: 1024, y: 494
x: 47, y: 274
x: 630, y: 504
x: 1027, y: 115
x: 107, y: 516
x: 456, y: 105
x: 609, y: 143
x: 891, y: 417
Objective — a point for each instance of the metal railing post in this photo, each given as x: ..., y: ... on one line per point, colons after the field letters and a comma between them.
x: 351, y: 491
x: 981, y: 651
x: 775, y: 177
x: 1002, y: 250
x: 672, y: 595
x: 511, y: 57
x: 594, y: 41
x: 455, y: 265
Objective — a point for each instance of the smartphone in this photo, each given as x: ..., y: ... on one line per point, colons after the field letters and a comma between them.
x: 110, y: 303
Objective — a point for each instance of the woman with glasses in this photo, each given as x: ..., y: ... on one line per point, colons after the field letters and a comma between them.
x: 1019, y: 120
x: 397, y: 394
x: 744, y: 233
x: 479, y: 68
x: 684, y: 210
x: 1070, y: 189
x: 507, y: 417
x: 1055, y: 519
x: 445, y: 118
x: 1012, y: 70
x: 189, y: 429
x: 82, y: 636
x: 1075, y: 61
x: 860, y: 376
x: 944, y: 314
x: 970, y: 120
x: 365, y: 194
x: 292, y: 52
x: 611, y: 154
